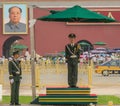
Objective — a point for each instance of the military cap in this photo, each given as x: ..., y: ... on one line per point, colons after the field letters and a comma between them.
x: 72, y: 35
x: 15, y: 52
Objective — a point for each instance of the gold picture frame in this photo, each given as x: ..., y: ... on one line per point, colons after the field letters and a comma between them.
x: 15, y: 18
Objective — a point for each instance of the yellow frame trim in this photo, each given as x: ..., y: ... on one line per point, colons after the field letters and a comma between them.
x: 7, y: 3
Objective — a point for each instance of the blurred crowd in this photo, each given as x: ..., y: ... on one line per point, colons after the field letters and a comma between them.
x: 97, y: 58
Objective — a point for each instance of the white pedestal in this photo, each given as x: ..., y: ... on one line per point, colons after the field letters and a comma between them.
x: 0, y: 92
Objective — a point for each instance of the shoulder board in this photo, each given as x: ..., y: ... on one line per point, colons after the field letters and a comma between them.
x: 10, y: 60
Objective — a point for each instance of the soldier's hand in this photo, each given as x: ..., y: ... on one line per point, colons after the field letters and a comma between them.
x: 17, y: 72
x: 11, y: 81
x: 78, y: 46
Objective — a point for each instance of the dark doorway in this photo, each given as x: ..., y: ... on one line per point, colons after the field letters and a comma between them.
x: 86, y: 47
x: 7, y: 45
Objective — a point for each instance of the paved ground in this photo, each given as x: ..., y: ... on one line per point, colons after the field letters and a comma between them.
x: 101, y: 85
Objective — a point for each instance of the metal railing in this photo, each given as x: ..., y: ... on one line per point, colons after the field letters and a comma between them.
x: 48, y: 74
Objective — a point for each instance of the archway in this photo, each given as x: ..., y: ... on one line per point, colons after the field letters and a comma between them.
x: 86, y: 47
x: 7, y: 45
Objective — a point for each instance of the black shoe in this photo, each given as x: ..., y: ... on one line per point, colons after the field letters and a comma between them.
x: 69, y: 87
x: 17, y: 104
x: 11, y: 104
x: 75, y: 87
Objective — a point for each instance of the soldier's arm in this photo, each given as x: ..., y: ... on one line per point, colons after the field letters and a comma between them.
x: 66, y: 53
x: 20, y: 70
x: 10, y: 70
x: 79, y: 51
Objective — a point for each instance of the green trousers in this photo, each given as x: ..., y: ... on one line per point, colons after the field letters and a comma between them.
x: 15, y: 92
x: 72, y: 73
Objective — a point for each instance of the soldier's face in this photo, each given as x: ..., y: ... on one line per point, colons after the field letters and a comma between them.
x: 16, y: 56
x: 72, y: 40
x: 15, y: 15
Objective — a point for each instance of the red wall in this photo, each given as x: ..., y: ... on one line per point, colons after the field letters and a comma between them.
x: 52, y: 36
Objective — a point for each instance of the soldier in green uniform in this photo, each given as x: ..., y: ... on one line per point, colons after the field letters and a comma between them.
x: 72, y: 52
x: 15, y: 77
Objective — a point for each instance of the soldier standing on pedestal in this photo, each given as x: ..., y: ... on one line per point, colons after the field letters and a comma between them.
x: 15, y: 77
x: 72, y: 52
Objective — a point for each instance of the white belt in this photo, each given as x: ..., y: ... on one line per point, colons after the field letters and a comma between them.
x: 17, y: 72
x: 73, y: 56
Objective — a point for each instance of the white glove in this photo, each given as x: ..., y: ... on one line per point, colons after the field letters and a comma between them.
x: 11, y: 81
x: 17, y: 72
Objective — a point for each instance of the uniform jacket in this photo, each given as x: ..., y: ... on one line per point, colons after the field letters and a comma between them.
x: 70, y: 50
x: 14, y: 70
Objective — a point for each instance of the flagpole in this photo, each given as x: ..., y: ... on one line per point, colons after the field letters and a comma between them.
x: 32, y: 22
x: 32, y: 43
